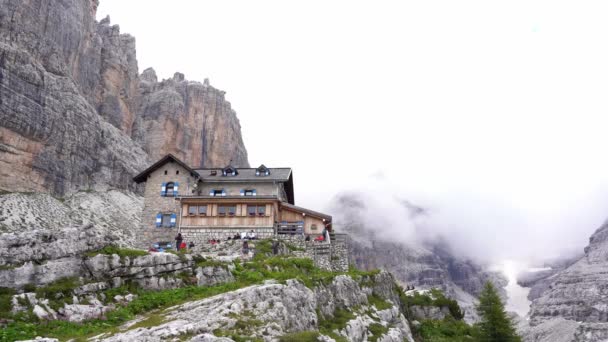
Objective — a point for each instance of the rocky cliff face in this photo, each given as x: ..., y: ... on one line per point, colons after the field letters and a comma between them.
x: 576, y: 297
x: 189, y: 119
x: 75, y: 114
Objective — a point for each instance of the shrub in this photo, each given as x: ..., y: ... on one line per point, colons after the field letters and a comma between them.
x: 446, y: 330
x: 376, y: 330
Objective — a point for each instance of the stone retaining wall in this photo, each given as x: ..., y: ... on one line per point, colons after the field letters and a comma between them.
x: 200, y: 236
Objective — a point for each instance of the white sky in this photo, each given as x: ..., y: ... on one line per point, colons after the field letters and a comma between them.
x: 492, y: 112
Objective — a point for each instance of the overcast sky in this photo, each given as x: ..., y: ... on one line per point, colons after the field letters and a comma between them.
x: 491, y: 113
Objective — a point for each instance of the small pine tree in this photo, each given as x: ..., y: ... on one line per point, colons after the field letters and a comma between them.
x: 495, y: 325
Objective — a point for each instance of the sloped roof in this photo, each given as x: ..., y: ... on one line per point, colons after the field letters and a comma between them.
x: 307, y: 211
x: 143, y: 176
x: 277, y: 174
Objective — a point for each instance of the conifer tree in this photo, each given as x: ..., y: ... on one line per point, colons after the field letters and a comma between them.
x: 495, y: 325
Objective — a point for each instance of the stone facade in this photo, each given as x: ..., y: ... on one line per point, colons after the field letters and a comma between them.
x: 154, y: 203
x: 200, y: 236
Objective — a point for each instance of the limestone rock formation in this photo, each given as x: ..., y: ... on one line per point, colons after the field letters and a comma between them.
x: 575, y: 299
x: 75, y: 114
x: 191, y: 120
x: 271, y: 310
x: 39, y: 227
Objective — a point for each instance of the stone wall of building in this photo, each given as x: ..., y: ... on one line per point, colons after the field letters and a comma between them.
x: 201, y: 236
x: 154, y: 203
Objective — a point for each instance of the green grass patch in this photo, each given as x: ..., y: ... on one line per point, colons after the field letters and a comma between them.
x: 58, y: 292
x: 337, y: 322
x: 303, y: 336
x: 202, y: 262
x: 121, y: 252
x: 378, y: 302
x: 153, y: 320
x: 146, y: 301
x: 6, y: 295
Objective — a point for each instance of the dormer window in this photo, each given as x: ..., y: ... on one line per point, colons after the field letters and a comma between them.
x: 229, y: 171
x: 262, y: 171
x: 248, y: 192
x: 217, y: 192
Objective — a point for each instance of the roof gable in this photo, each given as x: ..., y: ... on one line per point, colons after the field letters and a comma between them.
x: 262, y: 170
x: 230, y: 171
x: 143, y: 176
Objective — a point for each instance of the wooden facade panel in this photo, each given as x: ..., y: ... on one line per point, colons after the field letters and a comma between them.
x: 240, y: 219
x: 310, y: 223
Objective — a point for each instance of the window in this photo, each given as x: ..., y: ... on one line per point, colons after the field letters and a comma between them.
x: 170, y: 188
x: 313, y: 227
x: 192, y: 210
x: 166, y: 223
x: 253, y: 210
x: 217, y: 192
x: 202, y: 210
x: 222, y: 210
x: 249, y: 192
x: 229, y: 171
x: 165, y: 172
x: 177, y: 172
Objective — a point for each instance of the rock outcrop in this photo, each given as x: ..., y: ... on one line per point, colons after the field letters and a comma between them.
x: 575, y: 299
x: 75, y: 114
x: 271, y: 310
x: 39, y: 227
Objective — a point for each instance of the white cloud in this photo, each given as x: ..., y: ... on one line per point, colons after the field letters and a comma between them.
x: 493, y: 111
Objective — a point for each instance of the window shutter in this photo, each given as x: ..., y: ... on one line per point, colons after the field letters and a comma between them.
x: 211, y: 192
x: 242, y: 192
x: 159, y: 220
x: 176, y: 184
x: 223, y: 192
x: 163, y: 189
x: 173, y: 219
x: 254, y: 193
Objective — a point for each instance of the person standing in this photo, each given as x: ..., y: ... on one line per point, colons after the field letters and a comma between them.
x: 245, y: 248
x: 178, y: 241
x: 275, y: 247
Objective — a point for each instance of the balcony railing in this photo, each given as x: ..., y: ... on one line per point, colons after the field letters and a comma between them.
x: 290, y: 228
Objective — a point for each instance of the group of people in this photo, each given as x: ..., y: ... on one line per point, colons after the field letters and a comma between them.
x: 243, y: 236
